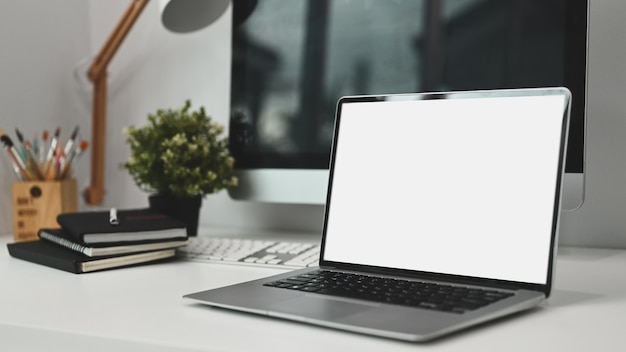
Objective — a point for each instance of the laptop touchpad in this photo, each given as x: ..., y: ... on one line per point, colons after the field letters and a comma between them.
x: 320, y: 307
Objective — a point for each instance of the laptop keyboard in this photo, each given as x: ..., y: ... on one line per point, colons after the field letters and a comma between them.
x: 277, y: 254
x: 449, y: 298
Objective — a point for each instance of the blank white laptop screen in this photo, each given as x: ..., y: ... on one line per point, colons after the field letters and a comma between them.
x: 455, y: 186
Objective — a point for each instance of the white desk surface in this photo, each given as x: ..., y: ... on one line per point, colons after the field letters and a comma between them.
x: 141, y: 309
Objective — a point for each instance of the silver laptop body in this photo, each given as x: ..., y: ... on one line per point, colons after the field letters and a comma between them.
x: 459, y: 188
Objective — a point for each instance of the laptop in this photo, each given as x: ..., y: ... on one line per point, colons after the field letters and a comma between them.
x: 442, y: 213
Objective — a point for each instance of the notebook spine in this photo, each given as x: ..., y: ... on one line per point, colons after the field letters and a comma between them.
x: 65, y: 243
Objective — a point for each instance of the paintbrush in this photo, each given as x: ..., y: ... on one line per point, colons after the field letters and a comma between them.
x: 29, y: 160
x: 36, y: 147
x: 70, y: 142
x: 50, y: 158
x: 22, y: 147
x: 73, y: 157
x: 42, y: 152
x: 18, y: 164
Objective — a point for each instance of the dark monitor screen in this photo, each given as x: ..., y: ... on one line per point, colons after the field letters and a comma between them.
x: 293, y: 59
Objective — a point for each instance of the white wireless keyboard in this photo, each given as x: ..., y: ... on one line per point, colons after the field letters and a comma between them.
x: 277, y: 254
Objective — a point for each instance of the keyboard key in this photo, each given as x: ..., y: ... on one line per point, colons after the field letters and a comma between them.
x: 308, y: 258
x: 448, y: 298
x: 287, y: 255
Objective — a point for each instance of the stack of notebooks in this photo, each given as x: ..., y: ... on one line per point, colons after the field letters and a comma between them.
x: 88, y: 241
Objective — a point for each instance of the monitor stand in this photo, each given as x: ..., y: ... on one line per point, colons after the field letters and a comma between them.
x: 573, y: 191
x: 288, y: 186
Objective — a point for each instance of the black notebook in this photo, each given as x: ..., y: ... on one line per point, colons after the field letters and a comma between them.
x: 62, y: 238
x: 134, y: 225
x: 55, y: 256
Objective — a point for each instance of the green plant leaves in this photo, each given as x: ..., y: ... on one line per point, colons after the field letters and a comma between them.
x: 180, y: 152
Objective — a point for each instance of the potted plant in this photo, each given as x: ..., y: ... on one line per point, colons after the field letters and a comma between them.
x: 179, y: 157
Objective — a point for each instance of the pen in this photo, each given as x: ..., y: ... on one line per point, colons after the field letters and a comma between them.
x: 113, y: 220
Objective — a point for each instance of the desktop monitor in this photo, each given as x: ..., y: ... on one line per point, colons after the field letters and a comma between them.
x: 293, y: 59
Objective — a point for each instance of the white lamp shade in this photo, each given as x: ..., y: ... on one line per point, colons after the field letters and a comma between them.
x: 183, y: 16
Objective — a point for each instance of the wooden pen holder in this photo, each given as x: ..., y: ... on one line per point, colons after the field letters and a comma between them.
x: 36, y: 205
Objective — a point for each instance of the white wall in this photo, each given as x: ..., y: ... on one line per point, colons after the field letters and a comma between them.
x: 156, y: 69
x: 40, y: 43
